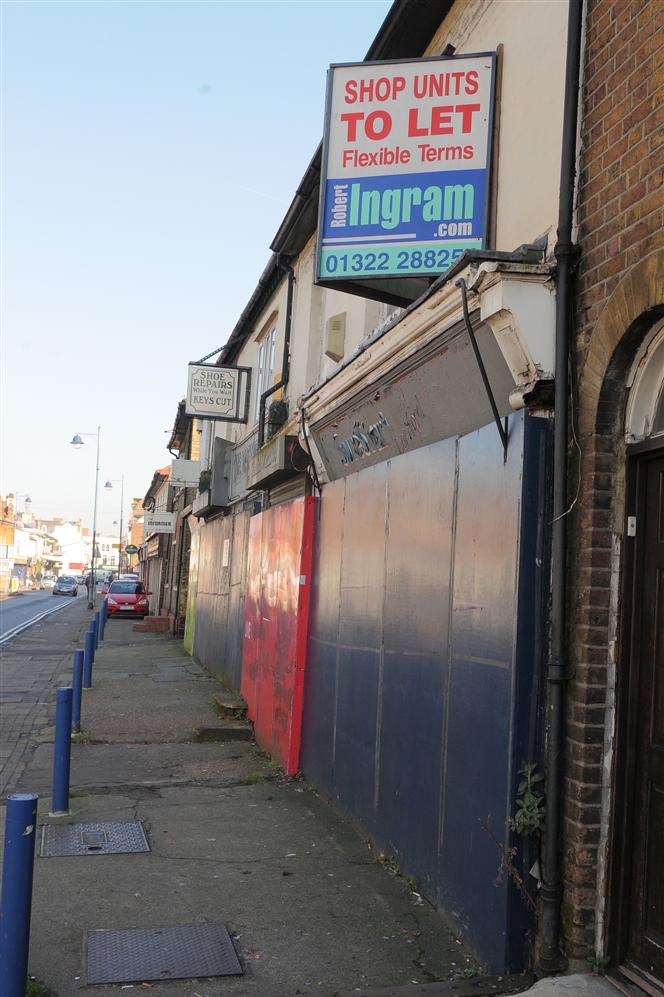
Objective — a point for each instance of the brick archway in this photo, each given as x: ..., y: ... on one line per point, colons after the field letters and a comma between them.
x: 639, y: 292
x: 595, y: 542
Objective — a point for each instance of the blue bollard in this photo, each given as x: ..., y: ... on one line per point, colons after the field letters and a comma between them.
x: 62, y: 751
x: 97, y: 624
x: 17, y: 867
x: 104, y: 609
x: 88, y: 659
x: 77, y: 690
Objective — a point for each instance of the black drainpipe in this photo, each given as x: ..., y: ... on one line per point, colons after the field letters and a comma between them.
x: 565, y: 252
x: 285, y: 362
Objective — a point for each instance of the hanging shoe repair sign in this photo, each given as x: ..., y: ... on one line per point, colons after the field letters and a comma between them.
x: 220, y: 393
x: 406, y: 160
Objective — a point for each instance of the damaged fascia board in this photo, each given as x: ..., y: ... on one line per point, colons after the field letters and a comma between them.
x: 530, y: 328
x: 519, y: 304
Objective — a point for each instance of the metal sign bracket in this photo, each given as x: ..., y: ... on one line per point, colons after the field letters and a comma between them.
x: 501, y: 425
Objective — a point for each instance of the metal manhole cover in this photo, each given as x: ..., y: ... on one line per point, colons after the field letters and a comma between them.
x: 107, y: 838
x: 176, y: 953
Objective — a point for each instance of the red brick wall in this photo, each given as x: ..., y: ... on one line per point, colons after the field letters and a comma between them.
x: 620, y: 188
x: 620, y: 213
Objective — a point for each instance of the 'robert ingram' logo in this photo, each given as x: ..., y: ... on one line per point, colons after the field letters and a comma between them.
x: 357, y: 204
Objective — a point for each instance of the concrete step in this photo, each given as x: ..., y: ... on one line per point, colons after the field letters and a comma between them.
x: 232, y: 730
x: 153, y: 625
x: 231, y: 705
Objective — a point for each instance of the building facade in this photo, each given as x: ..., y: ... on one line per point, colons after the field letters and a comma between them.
x: 154, y: 551
x: 135, y: 533
x: 614, y: 815
x: 108, y: 553
x: 376, y: 556
x: 76, y: 546
x: 369, y: 566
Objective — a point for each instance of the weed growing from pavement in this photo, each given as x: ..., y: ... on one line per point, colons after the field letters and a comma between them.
x: 35, y: 988
x: 253, y: 778
x: 389, y: 863
x: 598, y: 964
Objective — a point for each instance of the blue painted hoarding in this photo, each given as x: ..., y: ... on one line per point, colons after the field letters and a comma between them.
x: 422, y: 689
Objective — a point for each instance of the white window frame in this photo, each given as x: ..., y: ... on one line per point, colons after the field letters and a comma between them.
x: 265, y: 367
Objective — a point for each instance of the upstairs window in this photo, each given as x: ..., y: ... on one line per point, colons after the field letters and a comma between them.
x: 265, y: 367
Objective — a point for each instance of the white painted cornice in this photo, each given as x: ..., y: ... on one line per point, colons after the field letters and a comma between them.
x: 517, y: 301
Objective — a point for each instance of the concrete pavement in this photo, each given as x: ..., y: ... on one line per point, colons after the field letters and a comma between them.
x: 310, y: 908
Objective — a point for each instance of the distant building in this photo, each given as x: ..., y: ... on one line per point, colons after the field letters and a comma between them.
x: 108, y: 553
x: 76, y: 546
x: 35, y: 554
x: 155, y: 547
x: 135, y: 532
x: 6, y: 553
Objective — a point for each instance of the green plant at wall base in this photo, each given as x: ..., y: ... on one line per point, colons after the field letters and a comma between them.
x: 34, y: 988
x: 598, y: 964
x: 529, y: 813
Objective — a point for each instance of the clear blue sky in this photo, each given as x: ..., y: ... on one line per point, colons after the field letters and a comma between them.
x: 151, y: 150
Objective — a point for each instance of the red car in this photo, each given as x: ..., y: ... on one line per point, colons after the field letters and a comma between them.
x: 127, y: 598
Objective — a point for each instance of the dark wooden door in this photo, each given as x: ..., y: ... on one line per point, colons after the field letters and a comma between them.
x: 646, y: 920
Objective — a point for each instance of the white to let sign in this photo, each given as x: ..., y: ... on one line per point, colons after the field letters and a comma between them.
x: 226, y: 553
x: 218, y: 392
x: 185, y: 473
x: 159, y: 522
x: 406, y: 158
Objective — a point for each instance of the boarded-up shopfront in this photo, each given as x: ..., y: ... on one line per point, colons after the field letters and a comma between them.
x: 427, y: 639
x: 222, y: 564
x: 424, y: 658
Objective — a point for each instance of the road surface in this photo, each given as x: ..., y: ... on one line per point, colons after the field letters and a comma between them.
x: 21, y: 609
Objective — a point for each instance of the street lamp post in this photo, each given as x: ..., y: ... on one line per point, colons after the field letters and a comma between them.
x: 77, y: 443
x: 109, y: 485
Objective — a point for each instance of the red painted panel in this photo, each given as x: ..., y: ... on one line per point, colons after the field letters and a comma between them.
x: 275, y: 625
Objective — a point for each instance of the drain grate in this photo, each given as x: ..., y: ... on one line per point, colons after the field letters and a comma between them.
x: 107, y: 838
x: 177, y: 953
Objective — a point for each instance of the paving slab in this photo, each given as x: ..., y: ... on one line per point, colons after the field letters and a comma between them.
x: 128, y: 709
x: 309, y: 907
x: 142, y: 763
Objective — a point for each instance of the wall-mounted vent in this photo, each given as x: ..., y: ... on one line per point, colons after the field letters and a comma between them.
x: 335, y: 336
